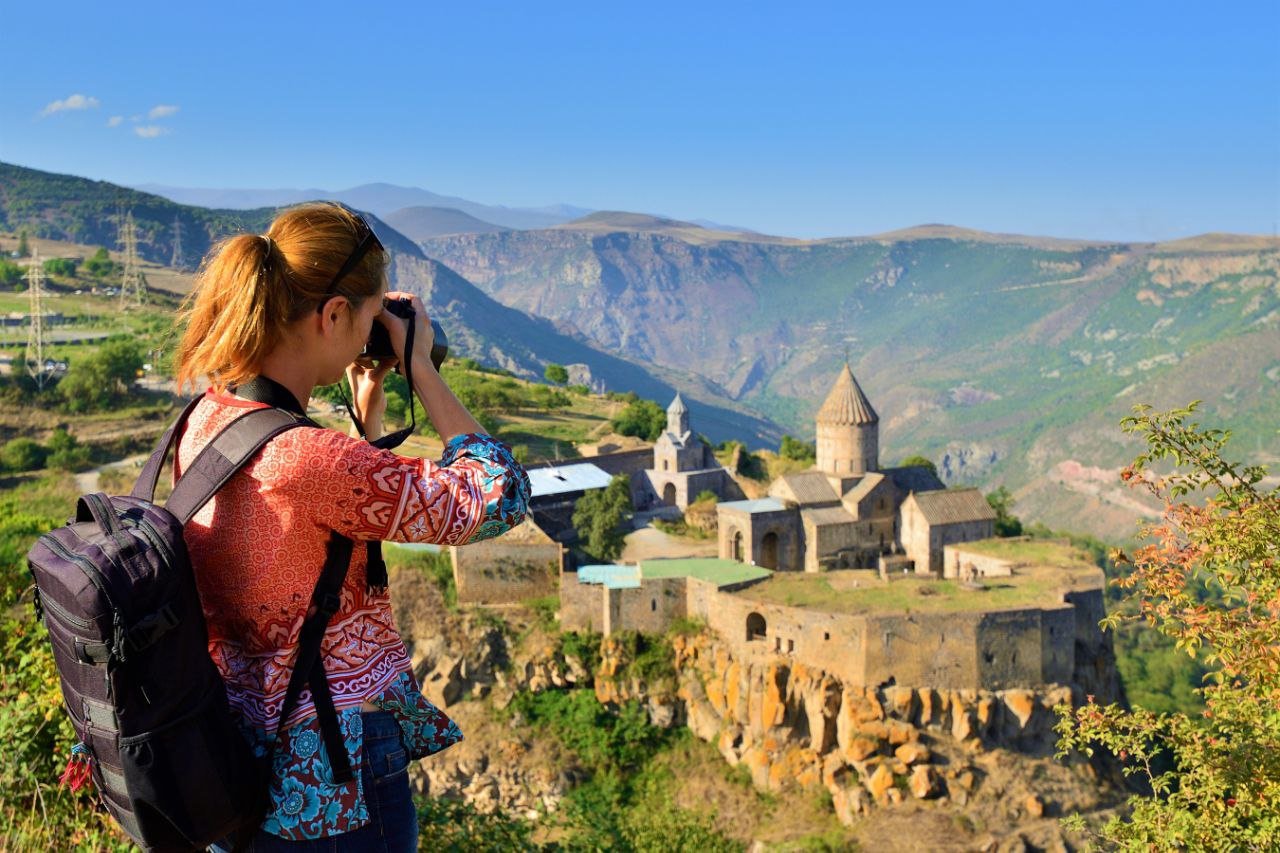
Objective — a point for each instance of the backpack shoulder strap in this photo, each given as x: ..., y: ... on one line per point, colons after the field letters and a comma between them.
x: 145, y: 487
x: 224, y: 455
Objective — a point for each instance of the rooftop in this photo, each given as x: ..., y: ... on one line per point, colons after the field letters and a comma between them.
x: 717, y: 571
x: 952, y: 506
x: 560, y: 479
x: 1054, y: 569
x: 759, y: 505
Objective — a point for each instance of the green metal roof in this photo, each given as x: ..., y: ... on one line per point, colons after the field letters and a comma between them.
x: 717, y: 571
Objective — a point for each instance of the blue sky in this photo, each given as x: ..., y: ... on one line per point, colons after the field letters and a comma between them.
x: 1119, y: 120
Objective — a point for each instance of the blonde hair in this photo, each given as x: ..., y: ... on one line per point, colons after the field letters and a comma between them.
x: 251, y: 287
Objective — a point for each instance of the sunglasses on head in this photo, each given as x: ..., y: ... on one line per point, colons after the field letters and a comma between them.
x: 367, y: 240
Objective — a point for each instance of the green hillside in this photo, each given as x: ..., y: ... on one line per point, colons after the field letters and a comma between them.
x: 1007, y: 360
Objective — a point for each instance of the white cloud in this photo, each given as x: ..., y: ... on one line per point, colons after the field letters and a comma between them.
x: 161, y: 111
x: 115, y: 121
x: 72, y: 102
x: 150, y: 131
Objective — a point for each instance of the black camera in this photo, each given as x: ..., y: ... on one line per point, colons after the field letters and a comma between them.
x: 379, y: 346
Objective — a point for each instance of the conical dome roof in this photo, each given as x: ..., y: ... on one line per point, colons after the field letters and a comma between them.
x: 677, y: 406
x: 846, y: 404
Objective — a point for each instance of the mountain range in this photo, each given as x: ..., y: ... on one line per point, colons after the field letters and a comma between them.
x: 378, y: 198
x: 1008, y: 359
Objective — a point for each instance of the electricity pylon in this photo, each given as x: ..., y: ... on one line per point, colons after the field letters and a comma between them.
x: 35, y: 322
x: 176, y: 260
x: 133, y: 287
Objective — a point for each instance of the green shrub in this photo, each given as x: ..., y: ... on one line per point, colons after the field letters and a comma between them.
x: 598, y: 516
x: 66, y: 453
x: 23, y: 454
x: 456, y: 826
x: 583, y: 645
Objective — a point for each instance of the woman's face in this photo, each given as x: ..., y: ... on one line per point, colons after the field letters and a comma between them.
x: 353, y: 333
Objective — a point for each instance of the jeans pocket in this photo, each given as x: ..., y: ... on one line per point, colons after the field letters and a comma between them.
x: 390, y: 764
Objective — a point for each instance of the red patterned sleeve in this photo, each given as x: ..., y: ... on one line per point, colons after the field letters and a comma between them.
x: 476, y: 491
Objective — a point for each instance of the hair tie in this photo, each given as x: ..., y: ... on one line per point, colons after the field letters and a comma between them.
x: 266, y: 258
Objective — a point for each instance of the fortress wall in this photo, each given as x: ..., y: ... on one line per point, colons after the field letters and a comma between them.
x: 955, y: 559
x: 934, y: 650
x: 829, y: 641
x: 1057, y: 637
x: 1010, y: 649
x: 495, y: 572
x: 713, y: 480
x: 581, y: 604
x: 650, y: 608
x: 1090, y: 609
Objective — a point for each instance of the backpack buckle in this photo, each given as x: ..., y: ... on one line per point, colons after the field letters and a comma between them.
x: 151, y: 628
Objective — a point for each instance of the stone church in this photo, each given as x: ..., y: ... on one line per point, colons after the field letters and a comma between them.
x: 847, y: 511
x: 683, y: 466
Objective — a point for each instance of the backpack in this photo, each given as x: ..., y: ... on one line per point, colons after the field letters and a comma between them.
x: 117, y: 593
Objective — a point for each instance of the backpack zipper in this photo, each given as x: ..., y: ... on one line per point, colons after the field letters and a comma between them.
x: 95, y: 577
x: 63, y: 616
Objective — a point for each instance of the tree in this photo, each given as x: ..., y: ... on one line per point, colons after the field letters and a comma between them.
x: 60, y: 266
x: 24, y: 247
x: 103, y: 378
x: 556, y: 374
x: 1007, y: 524
x: 1209, y: 579
x: 642, y: 418
x: 598, y: 517
x: 794, y: 448
x: 100, y: 263
x: 11, y: 273
x: 918, y: 461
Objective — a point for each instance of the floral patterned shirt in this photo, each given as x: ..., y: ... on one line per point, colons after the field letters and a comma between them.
x: 257, y: 549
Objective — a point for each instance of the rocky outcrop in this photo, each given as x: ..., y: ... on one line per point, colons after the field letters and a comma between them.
x: 794, y: 726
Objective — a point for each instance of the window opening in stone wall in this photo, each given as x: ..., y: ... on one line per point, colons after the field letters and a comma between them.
x: 737, y: 545
x: 755, y: 627
x: 777, y: 644
x: 791, y: 646
x: 653, y: 604
x: 826, y: 635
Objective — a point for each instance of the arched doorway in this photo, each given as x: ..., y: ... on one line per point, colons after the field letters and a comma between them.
x: 669, y: 494
x: 755, y: 627
x: 769, y: 551
x: 735, y: 545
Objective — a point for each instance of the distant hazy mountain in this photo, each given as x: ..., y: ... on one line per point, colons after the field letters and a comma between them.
x: 419, y: 223
x: 1007, y: 359
x: 379, y: 198
x: 64, y: 207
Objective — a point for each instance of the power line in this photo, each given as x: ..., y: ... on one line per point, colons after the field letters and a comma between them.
x: 34, y: 358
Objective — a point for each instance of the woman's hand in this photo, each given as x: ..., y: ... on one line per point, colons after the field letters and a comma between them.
x: 424, y: 336
x: 368, y: 397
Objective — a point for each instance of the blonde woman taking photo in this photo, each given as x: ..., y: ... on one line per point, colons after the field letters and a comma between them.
x: 273, y: 316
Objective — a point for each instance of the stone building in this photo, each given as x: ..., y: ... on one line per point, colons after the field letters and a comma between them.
x: 683, y: 466
x: 933, y: 520
x: 847, y: 511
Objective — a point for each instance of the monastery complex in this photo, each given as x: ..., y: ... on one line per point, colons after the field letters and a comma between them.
x: 875, y: 575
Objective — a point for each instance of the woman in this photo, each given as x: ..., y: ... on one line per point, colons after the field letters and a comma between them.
x: 280, y: 314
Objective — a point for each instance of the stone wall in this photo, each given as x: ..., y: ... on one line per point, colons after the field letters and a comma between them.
x: 581, y: 604
x: 496, y: 571
x: 650, y: 608
x: 958, y: 562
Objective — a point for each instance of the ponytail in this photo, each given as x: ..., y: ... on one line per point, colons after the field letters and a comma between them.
x: 252, y: 287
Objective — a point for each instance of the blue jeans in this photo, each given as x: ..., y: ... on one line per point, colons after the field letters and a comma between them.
x: 384, y: 775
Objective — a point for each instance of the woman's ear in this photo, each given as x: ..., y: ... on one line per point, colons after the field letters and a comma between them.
x: 332, y: 312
